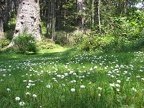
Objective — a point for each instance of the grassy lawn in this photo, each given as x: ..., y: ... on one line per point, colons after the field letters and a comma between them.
x: 71, y: 79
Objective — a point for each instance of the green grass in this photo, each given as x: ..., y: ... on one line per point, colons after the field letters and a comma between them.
x: 72, y: 79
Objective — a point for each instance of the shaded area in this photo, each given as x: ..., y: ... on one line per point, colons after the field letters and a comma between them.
x: 68, y: 55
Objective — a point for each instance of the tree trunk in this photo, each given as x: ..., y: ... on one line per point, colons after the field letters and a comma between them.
x: 15, y: 5
x: 48, y: 26
x: 53, y: 20
x: 1, y: 28
x: 58, y: 14
x: 6, y: 13
x: 1, y: 25
x: 81, y: 14
x: 92, y: 13
x: 28, y: 18
x: 99, y: 17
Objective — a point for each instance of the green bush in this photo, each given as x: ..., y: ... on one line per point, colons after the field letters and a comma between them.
x: 45, y: 44
x: 25, y: 43
x: 92, y: 43
x: 4, y: 42
x: 110, y: 43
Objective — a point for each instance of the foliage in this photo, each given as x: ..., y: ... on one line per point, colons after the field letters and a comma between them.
x: 4, y: 42
x: 45, y: 44
x: 65, y: 38
x: 12, y: 22
x: 120, y: 20
x: 125, y: 34
x: 25, y: 43
x: 91, y: 43
x: 110, y: 43
x: 129, y: 26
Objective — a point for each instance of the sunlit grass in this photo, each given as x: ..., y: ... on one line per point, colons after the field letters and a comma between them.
x: 71, y: 79
x: 59, y: 49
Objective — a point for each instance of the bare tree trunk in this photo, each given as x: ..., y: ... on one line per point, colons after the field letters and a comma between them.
x: 58, y: 14
x: 1, y: 28
x: 1, y: 24
x: 48, y: 20
x: 15, y: 5
x: 92, y: 13
x: 7, y: 13
x: 81, y: 14
x: 99, y: 17
x: 28, y: 18
x: 53, y: 21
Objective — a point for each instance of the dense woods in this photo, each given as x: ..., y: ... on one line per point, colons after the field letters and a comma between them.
x: 63, y: 20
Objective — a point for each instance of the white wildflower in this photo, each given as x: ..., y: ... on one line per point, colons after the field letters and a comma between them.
x: 63, y: 84
x: 112, y: 84
x: 21, y: 103
x: 95, y: 67
x: 27, y: 93
x: 134, y: 89
x: 73, y: 81
x: 82, y: 86
x: 17, y: 98
x: 4, y: 75
x: 30, y: 81
x: 66, y: 74
x: 48, y: 86
x: 28, y: 86
x: 8, y: 89
x: 99, y: 94
x: 32, y: 84
x: 117, y: 90
x: 138, y: 76
x: 72, y: 89
x: 99, y: 88
x: 118, y: 81
x: 34, y: 95
x: 128, y: 78
x: 24, y: 80
x: 91, y: 69
x: 117, y: 85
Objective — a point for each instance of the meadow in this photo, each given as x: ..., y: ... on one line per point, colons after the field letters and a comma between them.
x: 72, y: 79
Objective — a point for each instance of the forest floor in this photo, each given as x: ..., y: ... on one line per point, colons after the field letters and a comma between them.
x: 67, y: 78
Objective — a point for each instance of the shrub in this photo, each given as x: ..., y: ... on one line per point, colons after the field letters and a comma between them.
x: 4, y: 42
x: 64, y: 38
x: 46, y: 44
x: 25, y: 43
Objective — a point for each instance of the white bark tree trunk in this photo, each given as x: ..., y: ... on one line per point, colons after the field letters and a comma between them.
x: 1, y: 26
x: 28, y: 18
